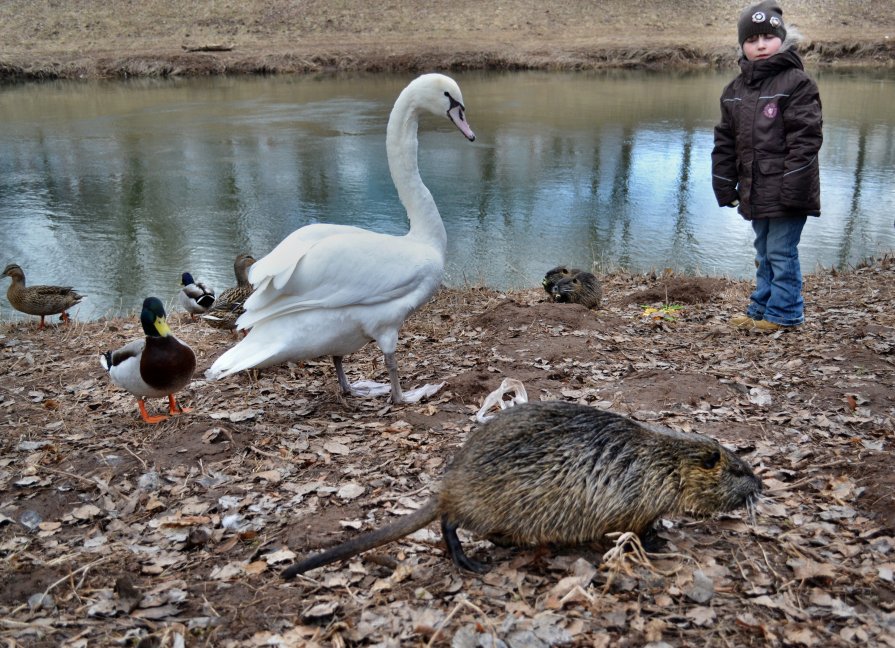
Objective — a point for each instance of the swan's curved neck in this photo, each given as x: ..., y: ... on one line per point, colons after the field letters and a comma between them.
x: 402, y: 143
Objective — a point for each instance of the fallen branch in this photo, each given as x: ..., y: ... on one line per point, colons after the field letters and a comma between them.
x: 208, y: 48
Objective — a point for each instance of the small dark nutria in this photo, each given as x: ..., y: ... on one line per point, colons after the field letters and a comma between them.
x: 555, y: 275
x: 582, y: 288
x: 560, y: 473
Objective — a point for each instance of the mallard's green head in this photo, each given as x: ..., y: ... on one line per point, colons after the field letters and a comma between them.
x: 153, y: 318
x: 186, y: 279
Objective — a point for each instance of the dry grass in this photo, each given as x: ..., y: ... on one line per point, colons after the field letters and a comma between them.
x: 118, y: 38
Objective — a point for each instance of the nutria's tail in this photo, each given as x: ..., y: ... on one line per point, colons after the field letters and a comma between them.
x: 399, y: 528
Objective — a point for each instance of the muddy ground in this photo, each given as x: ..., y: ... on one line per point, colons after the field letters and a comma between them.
x: 120, y: 38
x: 174, y: 534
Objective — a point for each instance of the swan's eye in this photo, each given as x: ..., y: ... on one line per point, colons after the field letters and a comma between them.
x: 453, y: 103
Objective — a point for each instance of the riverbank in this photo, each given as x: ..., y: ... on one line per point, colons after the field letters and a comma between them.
x: 176, y: 533
x: 89, y: 39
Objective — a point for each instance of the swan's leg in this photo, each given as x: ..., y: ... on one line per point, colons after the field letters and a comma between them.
x: 364, y: 388
x: 391, y: 363
x: 343, y: 381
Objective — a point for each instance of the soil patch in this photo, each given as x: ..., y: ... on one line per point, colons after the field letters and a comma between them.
x: 201, y: 512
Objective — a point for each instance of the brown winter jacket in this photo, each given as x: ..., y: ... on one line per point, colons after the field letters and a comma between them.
x: 767, y: 142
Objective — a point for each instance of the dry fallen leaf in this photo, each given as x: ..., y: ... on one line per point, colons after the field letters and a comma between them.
x: 86, y: 512
x: 800, y: 636
x: 701, y: 616
x: 257, y: 567
x: 808, y: 569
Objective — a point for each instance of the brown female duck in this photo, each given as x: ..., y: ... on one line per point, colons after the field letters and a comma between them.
x: 229, y: 305
x: 39, y: 300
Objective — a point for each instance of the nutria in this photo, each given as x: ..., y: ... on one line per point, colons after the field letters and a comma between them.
x: 566, y: 474
x: 555, y: 275
x: 582, y: 288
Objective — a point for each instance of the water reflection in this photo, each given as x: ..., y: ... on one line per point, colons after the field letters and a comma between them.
x: 119, y: 187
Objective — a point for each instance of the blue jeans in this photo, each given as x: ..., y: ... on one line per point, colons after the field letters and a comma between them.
x: 778, y: 280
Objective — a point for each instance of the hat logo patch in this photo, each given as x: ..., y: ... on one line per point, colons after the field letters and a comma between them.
x: 775, y: 21
x: 758, y: 17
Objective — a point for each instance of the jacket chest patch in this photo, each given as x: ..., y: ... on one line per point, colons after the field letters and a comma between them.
x: 770, y: 111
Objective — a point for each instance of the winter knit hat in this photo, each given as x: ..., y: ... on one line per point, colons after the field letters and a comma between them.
x: 764, y: 18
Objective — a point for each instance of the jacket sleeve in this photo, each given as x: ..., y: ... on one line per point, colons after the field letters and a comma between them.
x: 803, y: 123
x: 724, y: 160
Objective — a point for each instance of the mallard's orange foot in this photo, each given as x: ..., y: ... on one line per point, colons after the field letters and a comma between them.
x: 174, y: 409
x: 158, y: 418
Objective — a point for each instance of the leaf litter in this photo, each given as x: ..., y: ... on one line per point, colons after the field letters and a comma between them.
x: 114, y: 532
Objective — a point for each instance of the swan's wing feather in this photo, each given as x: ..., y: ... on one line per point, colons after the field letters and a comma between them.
x: 356, y: 269
x: 279, y: 263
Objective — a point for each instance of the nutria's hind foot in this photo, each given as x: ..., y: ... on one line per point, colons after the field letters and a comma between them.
x: 650, y: 540
x: 455, y: 549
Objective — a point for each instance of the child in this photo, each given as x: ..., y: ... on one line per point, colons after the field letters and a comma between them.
x: 765, y: 161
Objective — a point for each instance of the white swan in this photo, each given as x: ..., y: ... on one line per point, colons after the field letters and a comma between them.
x: 330, y: 289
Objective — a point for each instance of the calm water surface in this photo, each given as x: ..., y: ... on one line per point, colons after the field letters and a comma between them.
x: 118, y: 187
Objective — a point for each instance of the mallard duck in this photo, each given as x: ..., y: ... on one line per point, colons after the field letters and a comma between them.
x: 329, y: 289
x: 195, y: 296
x: 555, y: 275
x: 229, y: 305
x: 159, y: 365
x: 39, y: 300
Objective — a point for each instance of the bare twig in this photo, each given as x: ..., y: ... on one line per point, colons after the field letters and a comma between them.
x: 464, y: 602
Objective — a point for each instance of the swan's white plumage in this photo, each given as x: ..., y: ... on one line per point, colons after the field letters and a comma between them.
x: 329, y: 289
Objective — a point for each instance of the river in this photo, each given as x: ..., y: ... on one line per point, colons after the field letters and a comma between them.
x: 117, y: 187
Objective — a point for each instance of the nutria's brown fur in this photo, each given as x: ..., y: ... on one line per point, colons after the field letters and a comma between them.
x: 556, y: 472
x: 555, y: 275
x: 582, y: 288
